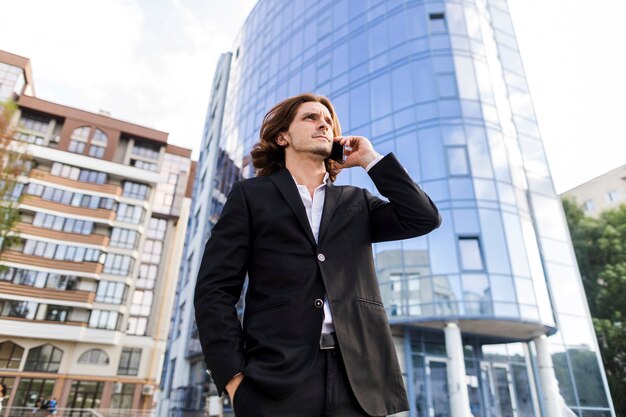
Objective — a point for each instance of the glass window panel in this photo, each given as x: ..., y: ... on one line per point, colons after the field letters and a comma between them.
x: 461, y: 188
x: 471, y: 258
x: 476, y: 293
x: 443, y: 260
x: 569, y: 298
x: 588, y: 378
x: 431, y: 154
x: 457, y: 160
x: 525, y: 291
x: 495, y: 248
x: 446, y: 85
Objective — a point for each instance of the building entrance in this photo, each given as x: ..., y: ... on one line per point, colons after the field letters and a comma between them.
x: 438, y: 400
x: 506, y: 391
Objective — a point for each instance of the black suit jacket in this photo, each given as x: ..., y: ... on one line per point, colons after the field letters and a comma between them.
x: 263, y: 231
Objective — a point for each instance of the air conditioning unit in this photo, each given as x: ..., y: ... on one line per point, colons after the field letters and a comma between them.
x: 117, y: 388
x: 147, y: 390
x: 55, y: 139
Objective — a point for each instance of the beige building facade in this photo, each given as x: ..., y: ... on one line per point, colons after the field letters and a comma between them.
x: 605, y: 192
x: 86, y: 294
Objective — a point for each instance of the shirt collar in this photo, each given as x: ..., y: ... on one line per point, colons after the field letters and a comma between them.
x: 324, y: 180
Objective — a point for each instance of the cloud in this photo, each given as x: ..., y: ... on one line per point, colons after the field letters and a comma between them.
x: 147, y: 62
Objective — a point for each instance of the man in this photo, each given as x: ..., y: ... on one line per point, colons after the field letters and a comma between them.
x: 315, y: 339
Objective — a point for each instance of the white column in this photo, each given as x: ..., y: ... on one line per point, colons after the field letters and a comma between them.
x: 549, y: 385
x: 457, y: 383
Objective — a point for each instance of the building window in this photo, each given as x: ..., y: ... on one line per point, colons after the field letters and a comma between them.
x: 457, y: 160
x: 147, y: 276
x: 110, y: 292
x: 85, y: 394
x: 57, y: 313
x: 104, y: 319
x: 58, y: 195
x: 129, y: 213
x: 78, y: 174
x: 137, y: 326
x: 31, y: 389
x: 437, y: 23
x: 589, y: 206
x: 135, y: 190
x: 78, y: 139
x: 471, y: 258
x: 98, y: 144
x: 152, y: 250
x: 612, y: 196
x: 129, y: 361
x: 137, y: 163
x: 146, y: 151
x: 142, y: 303
x: 29, y: 138
x: 20, y: 309
x: 117, y: 264
x: 38, y: 279
x: 61, y: 252
x: 34, y: 122
x: 123, y: 238
x: 122, y: 395
x: 181, y: 319
x: 157, y: 228
x: 10, y: 355
x: 45, y: 358
x: 64, y: 224
x: 94, y: 357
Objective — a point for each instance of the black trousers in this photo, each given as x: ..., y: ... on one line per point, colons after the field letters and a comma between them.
x: 325, y: 392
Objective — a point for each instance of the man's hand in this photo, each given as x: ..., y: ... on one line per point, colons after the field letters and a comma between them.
x: 232, y: 385
x: 361, y: 151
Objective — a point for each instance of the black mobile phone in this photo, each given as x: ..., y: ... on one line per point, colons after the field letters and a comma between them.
x: 337, y: 153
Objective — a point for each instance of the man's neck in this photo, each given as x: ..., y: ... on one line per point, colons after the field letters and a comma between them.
x: 307, y: 171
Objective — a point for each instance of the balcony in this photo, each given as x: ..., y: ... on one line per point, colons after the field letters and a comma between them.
x: 103, y: 214
x: 92, y: 239
x: 47, y: 293
x: 31, y: 260
x: 115, y: 190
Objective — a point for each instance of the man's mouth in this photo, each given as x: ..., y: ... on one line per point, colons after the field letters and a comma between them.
x: 323, y: 137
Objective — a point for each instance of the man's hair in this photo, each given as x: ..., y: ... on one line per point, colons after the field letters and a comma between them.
x: 268, y: 156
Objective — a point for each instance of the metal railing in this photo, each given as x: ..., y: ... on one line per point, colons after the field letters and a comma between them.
x: 76, y: 412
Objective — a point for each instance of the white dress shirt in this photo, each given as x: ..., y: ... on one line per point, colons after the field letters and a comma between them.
x: 314, y: 207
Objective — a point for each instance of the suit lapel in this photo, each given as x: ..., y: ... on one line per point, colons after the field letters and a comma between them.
x: 330, y: 204
x: 287, y: 187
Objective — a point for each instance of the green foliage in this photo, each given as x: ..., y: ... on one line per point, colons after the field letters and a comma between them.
x: 14, y: 161
x: 600, y: 246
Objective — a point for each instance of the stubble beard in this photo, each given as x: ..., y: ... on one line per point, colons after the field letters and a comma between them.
x: 319, y: 149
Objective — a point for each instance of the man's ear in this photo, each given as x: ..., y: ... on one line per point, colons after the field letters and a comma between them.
x: 281, y: 141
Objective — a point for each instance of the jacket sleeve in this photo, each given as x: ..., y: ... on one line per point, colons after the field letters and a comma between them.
x: 409, y: 211
x: 218, y: 288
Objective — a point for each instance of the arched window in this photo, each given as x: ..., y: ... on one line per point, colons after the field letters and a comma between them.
x: 94, y: 357
x: 10, y: 355
x: 79, y: 138
x: 44, y: 358
x: 99, y: 143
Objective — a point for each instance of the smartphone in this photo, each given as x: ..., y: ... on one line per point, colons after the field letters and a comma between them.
x: 337, y: 153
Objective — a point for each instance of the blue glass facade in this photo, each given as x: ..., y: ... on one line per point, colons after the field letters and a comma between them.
x: 441, y: 84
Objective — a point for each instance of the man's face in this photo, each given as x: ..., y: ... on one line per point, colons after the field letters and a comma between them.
x: 311, y: 130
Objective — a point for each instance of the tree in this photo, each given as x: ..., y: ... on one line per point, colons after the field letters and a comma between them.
x: 600, y: 246
x: 14, y: 161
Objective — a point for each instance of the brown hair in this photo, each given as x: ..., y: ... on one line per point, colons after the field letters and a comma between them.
x: 268, y: 156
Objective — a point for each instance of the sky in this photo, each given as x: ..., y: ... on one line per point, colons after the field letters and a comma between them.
x: 151, y: 62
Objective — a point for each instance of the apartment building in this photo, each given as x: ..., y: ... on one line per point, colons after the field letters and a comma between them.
x: 604, y: 192
x: 86, y: 294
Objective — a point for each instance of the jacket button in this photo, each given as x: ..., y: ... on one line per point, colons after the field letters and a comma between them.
x: 321, y: 257
x: 319, y: 303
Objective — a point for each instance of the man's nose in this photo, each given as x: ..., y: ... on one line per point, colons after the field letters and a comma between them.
x: 324, y: 125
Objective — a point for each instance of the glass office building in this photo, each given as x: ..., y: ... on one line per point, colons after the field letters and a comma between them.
x: 488, y: 311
